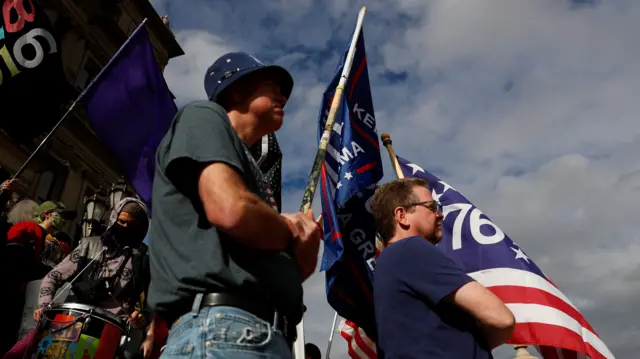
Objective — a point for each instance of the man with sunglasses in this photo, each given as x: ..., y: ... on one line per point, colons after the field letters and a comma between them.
x: 426, y: 306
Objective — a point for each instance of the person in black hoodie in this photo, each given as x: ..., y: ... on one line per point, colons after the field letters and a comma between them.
x: 116, y: 275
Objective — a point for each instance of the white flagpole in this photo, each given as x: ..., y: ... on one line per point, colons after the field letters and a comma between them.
x: 312, y: 183
x: 298, y: 346
x: 333, y: 331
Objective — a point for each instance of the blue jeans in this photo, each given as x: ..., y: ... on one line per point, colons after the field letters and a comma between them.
x: 224, y: 332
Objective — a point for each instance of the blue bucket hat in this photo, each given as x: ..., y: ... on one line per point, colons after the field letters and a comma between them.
x: 230, y: 67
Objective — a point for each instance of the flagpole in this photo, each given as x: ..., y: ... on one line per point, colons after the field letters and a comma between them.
x: 310, y: 190
x: 73, y: 105
x: 386, y: 141
x: 333, y: 330
x: 312, y: 183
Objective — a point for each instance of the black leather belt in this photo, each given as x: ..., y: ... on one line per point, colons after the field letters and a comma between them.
x: 256, y: 308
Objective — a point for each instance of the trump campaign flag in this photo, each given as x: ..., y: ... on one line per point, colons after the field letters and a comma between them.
x: 131, y: 108
x: 349, y: 176
x: 544, y: 315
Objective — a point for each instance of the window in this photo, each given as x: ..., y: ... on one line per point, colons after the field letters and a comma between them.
x: 45, y: 186
x: 49, y: 181
x: 76, y: 227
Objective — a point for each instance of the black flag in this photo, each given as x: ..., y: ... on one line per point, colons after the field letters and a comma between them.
x: 32, y: 82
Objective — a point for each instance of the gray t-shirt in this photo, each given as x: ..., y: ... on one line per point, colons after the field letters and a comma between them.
x: 188, y: 255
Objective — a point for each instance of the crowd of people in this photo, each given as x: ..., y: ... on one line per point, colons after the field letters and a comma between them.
x: 223, y: 271
x: 112, y: 269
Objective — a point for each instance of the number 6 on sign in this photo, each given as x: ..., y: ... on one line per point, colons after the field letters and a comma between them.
x: 30, y: 38
x: 475, y: 222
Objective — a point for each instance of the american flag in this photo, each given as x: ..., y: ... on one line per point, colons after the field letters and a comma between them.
x: 545, y: 317
x: 360, y: 346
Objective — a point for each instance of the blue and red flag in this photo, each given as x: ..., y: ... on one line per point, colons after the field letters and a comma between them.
x: 544, y: 316
x: 131, y: 108
x: 350, y: 174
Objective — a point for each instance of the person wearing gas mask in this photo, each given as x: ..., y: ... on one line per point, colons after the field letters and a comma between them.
x: 117, y: 269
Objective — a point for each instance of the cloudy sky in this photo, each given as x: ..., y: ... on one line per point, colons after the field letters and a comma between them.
x: 526, y: 107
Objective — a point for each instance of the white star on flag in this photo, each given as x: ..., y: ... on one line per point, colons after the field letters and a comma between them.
x: 520, y: 254
x: 338, y: 185
x: 348, y: 175
x: 415, y: 167
x: 437, y: 196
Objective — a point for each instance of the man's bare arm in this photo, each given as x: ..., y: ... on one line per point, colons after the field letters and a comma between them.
x: 230, y: 206
x: 489, y: 311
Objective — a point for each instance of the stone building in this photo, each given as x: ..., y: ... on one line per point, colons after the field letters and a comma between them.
x: 74, y: 163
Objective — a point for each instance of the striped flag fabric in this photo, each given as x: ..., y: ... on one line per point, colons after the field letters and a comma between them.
x: 545, y: 317
x: 360, y: 345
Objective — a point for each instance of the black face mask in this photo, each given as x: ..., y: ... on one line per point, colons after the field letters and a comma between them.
x: 124, y: 236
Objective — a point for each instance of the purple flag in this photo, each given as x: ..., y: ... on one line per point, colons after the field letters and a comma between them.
x: 131, y: 108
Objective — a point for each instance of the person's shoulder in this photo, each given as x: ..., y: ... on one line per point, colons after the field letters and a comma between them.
x: 409, y: 244
x: 201, y: 117
x: 421, y: 243
x: 87, y: 243
x: 393, y: 255
x: 22, y: 227
x: 202, y: 107
x: 417, y: 246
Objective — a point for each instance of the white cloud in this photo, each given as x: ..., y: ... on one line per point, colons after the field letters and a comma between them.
x: 529, y: 108
x: 185, y: 74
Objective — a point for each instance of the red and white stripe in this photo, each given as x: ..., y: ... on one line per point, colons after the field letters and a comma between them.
x: 360, y: 346
x: 544, y: 316
x: 271, y: 199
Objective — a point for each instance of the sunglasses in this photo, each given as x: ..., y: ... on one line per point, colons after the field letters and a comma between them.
x: 433, y: 205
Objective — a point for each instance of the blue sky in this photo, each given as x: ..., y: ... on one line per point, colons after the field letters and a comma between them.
x: 529, y: 108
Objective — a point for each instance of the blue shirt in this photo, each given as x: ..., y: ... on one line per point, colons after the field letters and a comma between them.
x: 411, y: 280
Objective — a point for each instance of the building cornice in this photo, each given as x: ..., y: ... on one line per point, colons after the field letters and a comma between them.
x: 158, y: 28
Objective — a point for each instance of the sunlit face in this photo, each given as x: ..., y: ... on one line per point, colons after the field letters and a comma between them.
x: 425, y: 217
x: 265, y: 101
